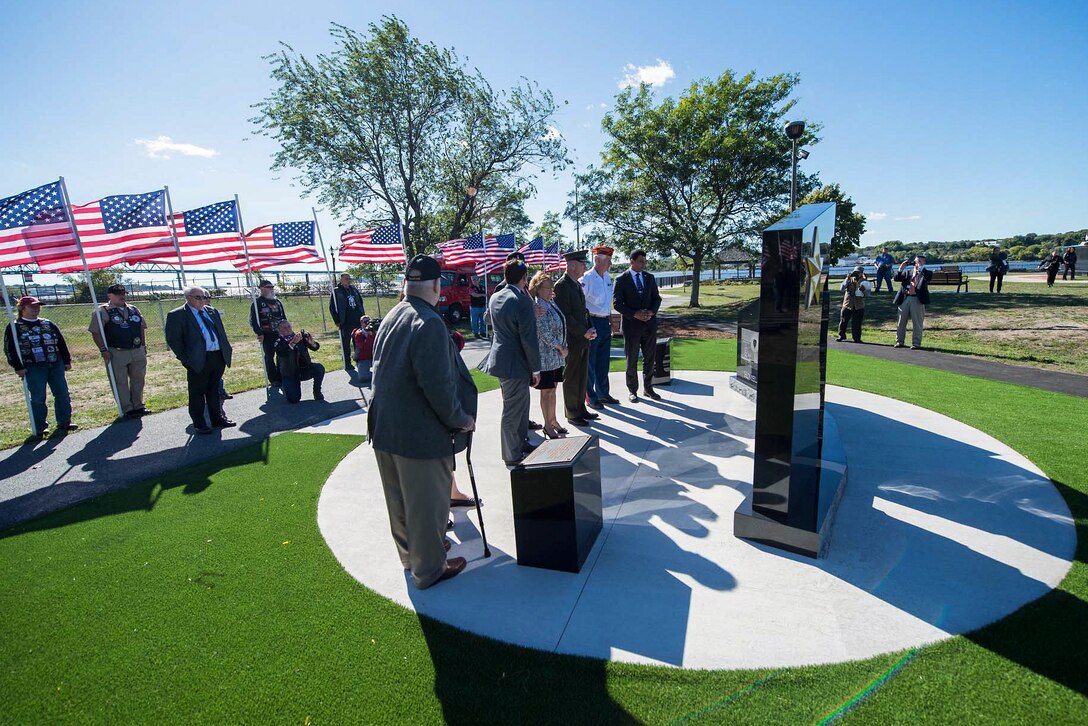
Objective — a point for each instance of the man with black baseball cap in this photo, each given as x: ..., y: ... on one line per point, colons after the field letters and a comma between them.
x: 124, y: 348
x: 423, y: 405
x: 264, y: 318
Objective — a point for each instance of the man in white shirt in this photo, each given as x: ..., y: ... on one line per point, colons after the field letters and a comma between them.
x: 597, y: 284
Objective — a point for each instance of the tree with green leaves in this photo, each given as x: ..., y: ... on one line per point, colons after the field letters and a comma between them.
x: 693, y: 175
x: 101, y: 279
x: 389, y: 129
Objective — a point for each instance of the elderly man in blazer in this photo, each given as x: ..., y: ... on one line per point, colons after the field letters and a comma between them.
x: 912, y: 298
x: 195, y: 334
x: 514, y: 358
x: 637, y: 300
x: 423, y: 406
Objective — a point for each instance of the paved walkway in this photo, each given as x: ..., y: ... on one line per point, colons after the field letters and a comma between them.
x: 916, y: 555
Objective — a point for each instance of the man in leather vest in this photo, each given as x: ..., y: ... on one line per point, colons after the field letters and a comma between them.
x: 346, y: 307
x: 124, y: 348
x: 37, y: 351
x: 264, y: 318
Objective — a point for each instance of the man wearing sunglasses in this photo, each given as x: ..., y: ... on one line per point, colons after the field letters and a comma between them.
x: 195, y: 333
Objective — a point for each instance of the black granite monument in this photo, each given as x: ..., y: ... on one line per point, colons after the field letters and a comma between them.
x: 784, y: 354
x: 556, y: 494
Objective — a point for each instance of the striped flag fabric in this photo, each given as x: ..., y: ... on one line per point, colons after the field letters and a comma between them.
x: 497, y: 249
x: 463, y: 251
x: 284, y: 243
x: 553, y: 258
x: 118, y: 229
x: 35, y: 228
x: 382, y: 244
x: 206, y: 234
x: 534, y: 252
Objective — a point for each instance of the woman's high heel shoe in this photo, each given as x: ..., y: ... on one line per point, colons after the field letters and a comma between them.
x: 550, y: 433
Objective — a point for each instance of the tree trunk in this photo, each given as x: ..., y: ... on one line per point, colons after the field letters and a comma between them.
x: 696, y: 271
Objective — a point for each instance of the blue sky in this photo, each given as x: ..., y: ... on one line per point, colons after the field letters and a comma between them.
x: 943, y: 120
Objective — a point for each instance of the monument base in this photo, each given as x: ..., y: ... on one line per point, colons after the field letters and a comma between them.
x: 757, y: 527
x: 743, y: 387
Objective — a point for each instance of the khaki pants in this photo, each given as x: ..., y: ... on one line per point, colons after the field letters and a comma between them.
x: 914, y: 311
x: 129, y: 370
x: 417, y: 495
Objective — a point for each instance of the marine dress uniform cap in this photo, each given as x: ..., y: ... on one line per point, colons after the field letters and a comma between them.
x: 603, y: 250
x: 575, y: 256
x: 422, y: 268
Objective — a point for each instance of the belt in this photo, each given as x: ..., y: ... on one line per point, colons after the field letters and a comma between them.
x: 599, y: 316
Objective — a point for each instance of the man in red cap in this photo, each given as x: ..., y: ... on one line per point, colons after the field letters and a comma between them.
x: 597, y: 284
x: 37, y: 351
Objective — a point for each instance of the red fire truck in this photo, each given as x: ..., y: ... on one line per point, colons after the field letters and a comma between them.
x: 453, y: 301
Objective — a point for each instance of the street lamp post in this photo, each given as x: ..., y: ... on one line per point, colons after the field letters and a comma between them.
x: 794, y: 131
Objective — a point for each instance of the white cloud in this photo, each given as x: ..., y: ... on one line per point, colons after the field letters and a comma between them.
x: 552, y: 134
x: 163, y: 146
x: 656, y: 76
x: 876, y: 216
x: 602, y: 106
x: 908, y: 219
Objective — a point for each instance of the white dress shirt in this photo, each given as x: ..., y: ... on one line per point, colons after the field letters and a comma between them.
x: 598, y: 291
x: 210, y: 342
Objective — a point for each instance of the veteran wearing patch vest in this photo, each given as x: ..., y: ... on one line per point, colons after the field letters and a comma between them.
x: 35, y: 348
x: 124, y: 348
x: 264, y: 318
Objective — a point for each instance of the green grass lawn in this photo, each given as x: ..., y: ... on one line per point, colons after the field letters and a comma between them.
x: 208, y: 595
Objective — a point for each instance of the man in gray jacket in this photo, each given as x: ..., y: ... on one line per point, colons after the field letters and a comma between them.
x: 514, y: 358
x: 424, y: 404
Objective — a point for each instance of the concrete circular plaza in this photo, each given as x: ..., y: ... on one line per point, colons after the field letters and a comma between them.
x: 942, y: 529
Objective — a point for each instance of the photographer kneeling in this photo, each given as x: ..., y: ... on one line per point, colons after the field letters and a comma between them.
x: 294, y: 364
x: 855, y: 289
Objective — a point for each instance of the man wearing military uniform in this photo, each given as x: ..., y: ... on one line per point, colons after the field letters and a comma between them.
x: 424, y: 404
x: 346, y: 307
x: 571, y: 301
x: 37, y: 351
x: 124, y: 349
x: 264, y: 317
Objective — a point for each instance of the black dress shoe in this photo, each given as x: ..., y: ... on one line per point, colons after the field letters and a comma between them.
x: 534, y: 426
x: 224, y: 424
x: 609, y: 399
x: 589, y: 416
x: 595, y: 405
x: 651, y: 393
x: 578, y: 421
x: 226, y: 396
x: 202, y: 430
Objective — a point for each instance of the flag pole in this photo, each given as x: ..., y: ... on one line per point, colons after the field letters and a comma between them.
x: 332, y: 278
x: 94, y: 296
x: 252, y: 289
x: 18, y: 353
x: 174, y: 235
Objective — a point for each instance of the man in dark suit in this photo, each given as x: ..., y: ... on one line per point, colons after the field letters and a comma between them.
x: 514, y: 358
x: 571, y: 301
x: 195, y: 334
x: 912, y: 298
x: 424, y: 404
x: 637, y: 300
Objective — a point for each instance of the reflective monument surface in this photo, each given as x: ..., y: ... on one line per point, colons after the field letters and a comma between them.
x: 783, y: 353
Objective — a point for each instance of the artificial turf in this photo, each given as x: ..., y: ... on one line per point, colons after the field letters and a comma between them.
x: 208, y: 595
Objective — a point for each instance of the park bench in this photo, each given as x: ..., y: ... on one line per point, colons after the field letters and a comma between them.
x: 949, y: 276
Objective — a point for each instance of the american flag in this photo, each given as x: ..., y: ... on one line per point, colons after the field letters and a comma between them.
x: 497, y: 250
x: 206, y: 234
x: 281, y: 244
x: 553, y: 258
x: 373, y: 245
x: 463, y: 251
x: 534, y: 252
x: 35, y: 228
x: 118, y: 229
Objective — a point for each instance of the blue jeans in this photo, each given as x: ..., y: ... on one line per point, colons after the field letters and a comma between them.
x: 37, y: 376
x: 600, y: 354
x: 292, y: 385
x: 476, y: 320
